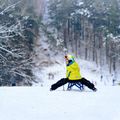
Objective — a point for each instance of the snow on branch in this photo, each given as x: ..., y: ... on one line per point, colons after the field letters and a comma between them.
x: 15, y: 28
x: 8, y: 51
x: 22, y: 74
x: 11, y: 6
x: 12, y: 28
x: 114, y: 54
x: 4, y: 37
x: 1, y: 56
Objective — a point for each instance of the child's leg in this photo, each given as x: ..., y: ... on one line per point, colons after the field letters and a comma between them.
x: 87, y: 83
x: 59, y: 83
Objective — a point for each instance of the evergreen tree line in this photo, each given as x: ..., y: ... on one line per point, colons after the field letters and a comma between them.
x: 88, y: 28
x: 18, y: 32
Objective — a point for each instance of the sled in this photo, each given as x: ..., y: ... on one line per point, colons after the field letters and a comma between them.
x: 77, y: 84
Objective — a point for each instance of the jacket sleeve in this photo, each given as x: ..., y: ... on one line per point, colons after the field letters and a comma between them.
x: 68, y: 72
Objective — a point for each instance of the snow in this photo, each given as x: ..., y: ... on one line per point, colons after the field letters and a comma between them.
x: 80, y: 3
x: 38, y: 103
x: 89, y: 70
x: 85, y: 12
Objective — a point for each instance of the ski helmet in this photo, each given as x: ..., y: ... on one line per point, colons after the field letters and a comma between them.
x: 69, y: 57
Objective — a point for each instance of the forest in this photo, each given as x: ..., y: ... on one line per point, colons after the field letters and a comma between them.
x: 89, y: 29
x: 19, y: 28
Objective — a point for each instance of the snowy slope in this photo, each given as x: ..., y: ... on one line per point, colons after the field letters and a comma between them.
x: 38, y: 103
x: 88, y: 70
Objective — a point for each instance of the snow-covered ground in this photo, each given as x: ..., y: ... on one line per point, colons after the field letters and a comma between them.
x: 89, y: 70
x: 38, y: 103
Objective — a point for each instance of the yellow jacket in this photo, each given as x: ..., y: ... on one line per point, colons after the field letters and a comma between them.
x: 73, y: 72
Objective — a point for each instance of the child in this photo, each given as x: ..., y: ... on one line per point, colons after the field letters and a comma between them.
x: 72, y: 75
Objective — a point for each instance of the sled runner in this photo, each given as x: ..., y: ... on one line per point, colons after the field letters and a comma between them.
x: 77, y: 84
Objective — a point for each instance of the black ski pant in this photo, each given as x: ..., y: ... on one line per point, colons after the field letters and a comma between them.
x: 63, y: 81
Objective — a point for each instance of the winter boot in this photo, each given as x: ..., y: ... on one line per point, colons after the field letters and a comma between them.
x: 94, y: 89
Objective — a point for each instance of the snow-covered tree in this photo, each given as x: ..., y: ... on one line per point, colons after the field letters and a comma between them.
x: 17, y: 35
x: 84, y: 26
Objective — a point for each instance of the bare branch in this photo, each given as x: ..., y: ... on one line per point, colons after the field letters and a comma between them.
x: 4, y: 37
x: 114, y: 54
x: 11, y: 6
x: 22, y: 74
x: 13, y: 54
x: 3, y: 57
x: 6, y: 50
